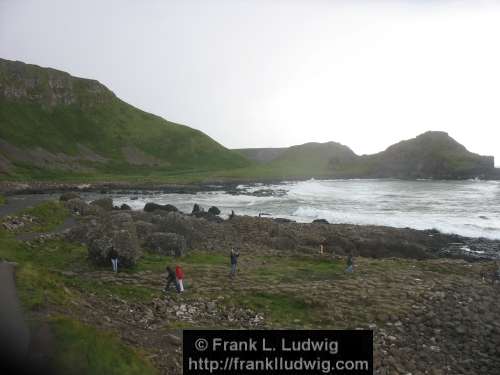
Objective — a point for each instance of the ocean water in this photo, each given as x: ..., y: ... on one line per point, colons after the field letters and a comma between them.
x: 468, y: 208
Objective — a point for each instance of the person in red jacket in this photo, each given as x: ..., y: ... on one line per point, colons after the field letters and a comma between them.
x: 179, y: 274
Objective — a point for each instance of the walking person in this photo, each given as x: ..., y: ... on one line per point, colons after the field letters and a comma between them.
x: 113, y: 254
x: 234, y: 261
x: 350, y: 263
x: 179, y: 274
x: 171, y: 279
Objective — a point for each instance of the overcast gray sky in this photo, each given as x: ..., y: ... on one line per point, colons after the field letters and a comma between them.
x: 262, y: 73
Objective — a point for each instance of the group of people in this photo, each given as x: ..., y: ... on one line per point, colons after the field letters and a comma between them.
x: 176, y: 278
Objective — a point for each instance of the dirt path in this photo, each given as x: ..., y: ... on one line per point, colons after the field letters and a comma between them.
x: 18, y: 203
x: 14, y: 333
x: 69, y: 223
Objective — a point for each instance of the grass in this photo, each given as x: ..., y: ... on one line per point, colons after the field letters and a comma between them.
x: 82, y: 349
x: 280, y: 309
x: 48, y: 216
x: 52, y: 255
x: 293, y: 269
x: 79, y: 348
x: 38, y: 288
x: 103, y: 123
x: 157, y: 263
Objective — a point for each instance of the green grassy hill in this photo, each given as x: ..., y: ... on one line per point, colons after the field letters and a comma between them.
x: 302, y: 161
x: 55, y: 125
x: 433, y: 155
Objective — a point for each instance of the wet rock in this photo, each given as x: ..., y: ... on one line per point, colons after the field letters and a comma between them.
x: 320, y: 221
x: 214, y: 210
x: 170, y: 244
x: 151, y: 207
x: 125, y: 207
x: 196, y: 209
x: 283, y: 220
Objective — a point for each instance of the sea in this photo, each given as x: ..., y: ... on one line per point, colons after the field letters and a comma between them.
x: 468, y: 208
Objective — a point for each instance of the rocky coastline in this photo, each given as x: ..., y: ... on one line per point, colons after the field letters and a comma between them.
x: 166, y: 230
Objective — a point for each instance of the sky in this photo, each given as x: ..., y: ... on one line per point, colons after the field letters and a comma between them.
x: 274, y: 73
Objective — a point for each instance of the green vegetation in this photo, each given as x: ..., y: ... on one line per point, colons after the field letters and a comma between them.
x: 289, y: 270
x: 109, y: 136
x: 82, y: 349
x: 2, y: 200
x: 43, y: 279
x: 281, y: 309
x: 47, y: 216
x: 86, y: 133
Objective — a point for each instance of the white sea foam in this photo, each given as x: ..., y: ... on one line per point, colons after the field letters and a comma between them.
x: 469, y: 208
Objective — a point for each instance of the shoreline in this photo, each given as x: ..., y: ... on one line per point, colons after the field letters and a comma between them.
x: 51, y: 186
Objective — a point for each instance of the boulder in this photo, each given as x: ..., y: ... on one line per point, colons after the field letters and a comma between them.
x: 150, y: 207
x: 101, y: 233
x: 127, y: 245
x: 214, y: 210
x: 171, y: 244
x: 320, y: 221
x: 105, y: 203
x: 68, y: 196
x: 80, y: 207
x: 196, y: 209
x: 283, y: 220
x: 144, y: 229
x: 174, y: 222
x: 125, y: 207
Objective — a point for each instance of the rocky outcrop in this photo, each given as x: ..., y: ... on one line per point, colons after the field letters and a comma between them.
x: 105, y: 203
x: 49, y: 87
x: 109, y: 230
x: 80, y: 207
x: 214, y: 211
x: 171, y: 244
x: 151, y: 207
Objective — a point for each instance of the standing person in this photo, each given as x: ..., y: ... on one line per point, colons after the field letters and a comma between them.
x: 171, y: 279
x: 350, y: 263
x: 113, y: 254
x: 179, y: 274
x: 234, y: 261
x: 496, y: 274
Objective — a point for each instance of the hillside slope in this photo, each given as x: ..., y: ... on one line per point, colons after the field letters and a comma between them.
x: 54, y: 124
x: 430, y: 155
x: 433, y: 155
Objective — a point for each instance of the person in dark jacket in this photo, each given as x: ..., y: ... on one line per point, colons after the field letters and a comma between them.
x: 113, y: 254
x: 350, y: 263
x: 234, y: 261
x: 179, y: 275
x: 171, y: 279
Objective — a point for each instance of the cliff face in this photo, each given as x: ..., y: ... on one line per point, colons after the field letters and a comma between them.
x: 23, y: 83
x: 54, y: 124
